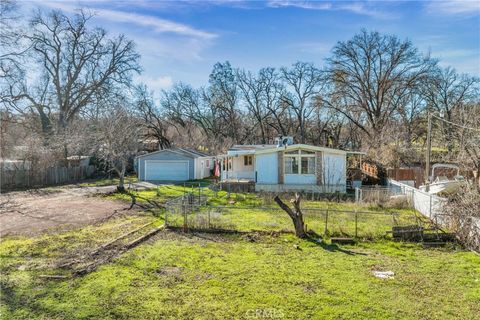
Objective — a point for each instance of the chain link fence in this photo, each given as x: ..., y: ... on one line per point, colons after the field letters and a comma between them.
x: 194, y: 212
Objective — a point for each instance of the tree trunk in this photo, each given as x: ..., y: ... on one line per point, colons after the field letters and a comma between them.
x: 296, y: 215
x: 121, y: 179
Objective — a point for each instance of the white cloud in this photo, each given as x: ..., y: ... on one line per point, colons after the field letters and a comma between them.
x: 156, y: 84
x: 361, y: 8
x: 156, y: 24
x: 300, y: 4
x: 454, y: 7
x: 463, y: 60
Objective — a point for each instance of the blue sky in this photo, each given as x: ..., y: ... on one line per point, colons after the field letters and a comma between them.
x: 180, y: 41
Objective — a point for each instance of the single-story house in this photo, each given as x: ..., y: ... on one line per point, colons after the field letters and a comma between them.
x: 286, y: 167
x: 176, y: 164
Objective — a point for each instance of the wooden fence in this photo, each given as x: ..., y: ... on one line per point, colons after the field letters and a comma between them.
x: 31, y: 178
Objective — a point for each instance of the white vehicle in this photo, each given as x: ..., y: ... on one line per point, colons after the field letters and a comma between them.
x: 443, y: 185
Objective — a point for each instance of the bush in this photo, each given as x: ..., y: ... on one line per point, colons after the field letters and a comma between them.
x: 463, y: 217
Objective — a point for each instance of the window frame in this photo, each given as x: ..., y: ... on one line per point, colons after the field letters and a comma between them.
x: 247, y: 160
x: 298, y: 155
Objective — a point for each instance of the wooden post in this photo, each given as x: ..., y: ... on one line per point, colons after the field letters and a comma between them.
x: 184, y: 215
x: 209, y: 226
x: 356, y: 223
x: 326, y: 222
x: 166, y: 217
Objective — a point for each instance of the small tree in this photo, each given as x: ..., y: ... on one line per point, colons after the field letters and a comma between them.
x: 296, y: 214
x: 117, y: 139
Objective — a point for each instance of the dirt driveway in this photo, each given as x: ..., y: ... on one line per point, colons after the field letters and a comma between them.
x: 37, y: 211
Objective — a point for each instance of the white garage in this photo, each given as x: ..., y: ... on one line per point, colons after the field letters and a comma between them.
x: 166, y: 170
x: 174, y: 165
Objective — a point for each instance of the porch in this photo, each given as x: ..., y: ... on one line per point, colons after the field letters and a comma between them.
x: 238, y: 168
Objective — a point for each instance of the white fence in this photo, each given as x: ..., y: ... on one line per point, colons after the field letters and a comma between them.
x: 466, y: 227
x: 427, y: 204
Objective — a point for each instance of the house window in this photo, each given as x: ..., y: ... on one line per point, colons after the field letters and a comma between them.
x: 247, y: 160
x: 291, y: 165
x: 299, y: 162
x: 227, y: 164
x: 308, y: 165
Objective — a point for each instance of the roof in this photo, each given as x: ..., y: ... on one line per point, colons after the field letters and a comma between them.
x: 78, y: 157
x: 357, y: 152
x: 182, y: 151
x: 263, y: 149
x: 251, y: 146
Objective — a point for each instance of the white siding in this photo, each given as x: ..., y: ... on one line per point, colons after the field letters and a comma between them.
x: 300, y: 179
x: 334, y: 169
x: 167, y: 155
x: 201, y: 168
x: 266, y: 166
x: 239, y: 170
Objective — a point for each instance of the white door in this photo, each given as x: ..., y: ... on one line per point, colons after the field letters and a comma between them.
x: 166, y: 170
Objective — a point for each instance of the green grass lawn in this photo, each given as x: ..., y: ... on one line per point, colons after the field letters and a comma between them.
x: 205, y: 276
x: 108, y: 181
x: 234, y: 276
x: 247, y: 212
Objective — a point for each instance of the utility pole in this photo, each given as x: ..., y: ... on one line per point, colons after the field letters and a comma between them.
x: 429, y: 147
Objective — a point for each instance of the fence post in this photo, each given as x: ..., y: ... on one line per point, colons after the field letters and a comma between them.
x: 326, y: 222
x: 209, y: 218
x: 184, y: 217
x: 356, y: 223
x: 166, y: 216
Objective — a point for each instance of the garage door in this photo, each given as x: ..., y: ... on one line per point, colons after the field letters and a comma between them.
x: 166, y: 170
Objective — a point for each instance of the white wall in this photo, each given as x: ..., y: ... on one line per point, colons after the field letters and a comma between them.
x: 239, y: 165
x: 334, y: 169
x: 266, y: 166
x: 300, y: 179
x: 239, y: 170
x: 203, y: 171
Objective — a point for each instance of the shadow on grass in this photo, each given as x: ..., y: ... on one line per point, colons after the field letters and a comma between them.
x: 318, y: 241
x: 312, y: 237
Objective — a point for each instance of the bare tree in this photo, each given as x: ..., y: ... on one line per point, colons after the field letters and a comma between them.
x: 76, y: 63
x: 446, y: 91
x: 252, y: 89
x: 12, y: 51
x: 222, y: 96
x: 117, y: 139
x: 185, y: 106
x: 466, y: 130
x: 412, y: 116
x: 370, y: 76
x: 305, y: 81
x: 296, y: 214
x: 261, y: 94
x: 153, y: 119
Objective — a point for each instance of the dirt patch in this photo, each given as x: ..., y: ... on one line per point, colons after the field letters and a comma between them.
x: 34, y: 212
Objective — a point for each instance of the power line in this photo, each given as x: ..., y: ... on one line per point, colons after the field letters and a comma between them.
x: 455, y: 124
